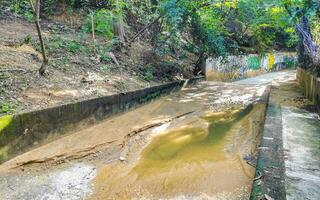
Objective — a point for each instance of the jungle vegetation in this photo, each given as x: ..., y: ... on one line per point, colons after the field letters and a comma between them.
x: 202, y: 27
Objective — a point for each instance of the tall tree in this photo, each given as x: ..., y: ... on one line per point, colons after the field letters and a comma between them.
x: 302, y: 12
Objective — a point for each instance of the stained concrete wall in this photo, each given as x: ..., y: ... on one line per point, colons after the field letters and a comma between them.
x: 310, y: 85
x: 22, y: 132
x: 238, y: 67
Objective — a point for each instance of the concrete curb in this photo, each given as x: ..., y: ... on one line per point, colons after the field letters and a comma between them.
x: 22, y: 132
x: 269, y: 179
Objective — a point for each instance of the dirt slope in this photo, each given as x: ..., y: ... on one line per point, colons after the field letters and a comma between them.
x: 74, y: 73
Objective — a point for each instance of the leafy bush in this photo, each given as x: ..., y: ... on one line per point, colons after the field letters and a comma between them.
x: 148, y: 74
x: 55, y: 43
x: 72, y: 46
x: 28, y: 15
x: 6, y: 107
x: 28, y: 39
x: 105, y: 68
x: 103, y: 23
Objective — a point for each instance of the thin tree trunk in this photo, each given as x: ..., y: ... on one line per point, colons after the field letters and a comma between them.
x: 36, y: 14
x: 145, y: 28
x: 118, y: 28
x: 93, y: 35
x: 200, y: 64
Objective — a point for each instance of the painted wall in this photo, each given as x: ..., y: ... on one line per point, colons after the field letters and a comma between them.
x: 237, y: 67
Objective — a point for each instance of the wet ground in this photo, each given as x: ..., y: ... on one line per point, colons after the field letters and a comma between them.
x: 211, y: 150
x: 301, y: 132
x: 200, y: 143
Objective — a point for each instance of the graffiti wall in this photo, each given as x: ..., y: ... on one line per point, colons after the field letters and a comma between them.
x: 238, y: 67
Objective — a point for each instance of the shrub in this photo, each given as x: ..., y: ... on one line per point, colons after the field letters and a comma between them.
x: 148, y: 74
x: 103, y: 23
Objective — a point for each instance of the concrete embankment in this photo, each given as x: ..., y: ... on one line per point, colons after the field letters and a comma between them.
x: 22, y: 132
x: 310, y: 85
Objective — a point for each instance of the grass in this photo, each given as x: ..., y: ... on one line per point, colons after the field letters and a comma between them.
x: 7, y: 107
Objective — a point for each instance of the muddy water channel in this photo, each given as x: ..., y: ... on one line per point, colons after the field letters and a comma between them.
x: 198, y: 143
x: 207, y: 156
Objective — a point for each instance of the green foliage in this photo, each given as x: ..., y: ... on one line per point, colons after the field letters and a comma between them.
x: 7, y: 107
x: 218, y: 28
x: 72, y: 46
x: 103, y: 23
x: 148, y: 74
x: 28, y: 39
x: 19, y: 7
x: 28, y: 15
x: 105, y: 68
x: 204, y: 28
x: 58, y: 43
x: 315, y: 28
x: 105, y: 57
x: 289, y: 62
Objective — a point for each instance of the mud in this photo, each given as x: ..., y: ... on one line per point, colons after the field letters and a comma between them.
x: 212, y: 155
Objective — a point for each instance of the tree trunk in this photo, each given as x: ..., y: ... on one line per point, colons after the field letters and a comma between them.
x: 308, y: 50
x: 200, y: 64
x: 118, y: 27
x: 36, y: 13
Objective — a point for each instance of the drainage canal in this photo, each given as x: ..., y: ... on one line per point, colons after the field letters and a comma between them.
x: 215, y: 159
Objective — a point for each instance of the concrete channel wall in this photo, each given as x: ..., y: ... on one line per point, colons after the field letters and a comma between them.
x: 310, y: 85
x: 269, y: 178
x: 22, y: 132
x: 239, y: 67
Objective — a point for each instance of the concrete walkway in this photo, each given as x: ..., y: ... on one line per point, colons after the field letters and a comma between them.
x: 274, y: 78
x: 301, y: 141
x: 289, y: 159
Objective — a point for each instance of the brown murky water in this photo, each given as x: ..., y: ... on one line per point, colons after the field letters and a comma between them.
x: 190, y: 162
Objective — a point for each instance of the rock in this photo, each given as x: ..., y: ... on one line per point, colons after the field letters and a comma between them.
x: 113, y: 58
x: 96, y: 59
x: 122, y: 159
x: 86, y: 80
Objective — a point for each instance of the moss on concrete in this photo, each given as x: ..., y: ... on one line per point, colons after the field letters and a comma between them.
x: 3, y: 153
x: 5, y: 121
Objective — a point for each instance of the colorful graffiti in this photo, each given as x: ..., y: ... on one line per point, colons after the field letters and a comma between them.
x: 254, y: 62
x: 289, y: 62
x: 237, y: 67
x: 271, y: 61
